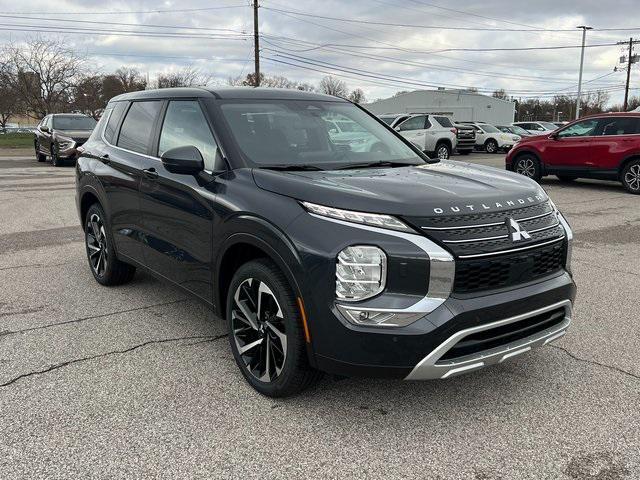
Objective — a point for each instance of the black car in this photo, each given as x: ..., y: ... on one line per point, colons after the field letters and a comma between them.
x: 59, y: 135
x: 322, y: 257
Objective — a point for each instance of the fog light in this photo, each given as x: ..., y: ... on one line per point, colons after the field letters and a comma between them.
x: 361, y: 272
x: 377, y: 318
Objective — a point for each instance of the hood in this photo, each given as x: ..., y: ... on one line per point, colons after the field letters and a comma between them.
x: 534, y: 136
x: 451, y: 188
x: 75, y: 134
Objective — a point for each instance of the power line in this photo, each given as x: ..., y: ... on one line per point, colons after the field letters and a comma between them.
x: 117, y: 12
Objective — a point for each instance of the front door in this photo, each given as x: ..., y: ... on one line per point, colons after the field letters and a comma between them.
x: 570, y: 148
x: 178, y: 208
x: 414, y: 130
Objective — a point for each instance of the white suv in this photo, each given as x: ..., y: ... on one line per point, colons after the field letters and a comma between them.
x: 434, y: 134
x: 491, y: 139
x: 536, y: 128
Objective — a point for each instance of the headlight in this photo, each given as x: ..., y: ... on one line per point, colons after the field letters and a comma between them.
x: 371, y: 219
x: 65, y: 143
x: 361, y: 272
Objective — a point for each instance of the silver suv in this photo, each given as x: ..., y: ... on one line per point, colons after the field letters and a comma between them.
x: 433, y: 134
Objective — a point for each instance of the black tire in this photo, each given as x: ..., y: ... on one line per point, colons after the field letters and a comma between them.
x: 110, y: 271
x: 443, y: 151
x: 529, y: 166
x: 630, y: 177
x: 566, y: 178
x: 56, y: 161
x: 40, y: 156
x: 464, y: 152
x: 491, y: 146
x: 295, y: 372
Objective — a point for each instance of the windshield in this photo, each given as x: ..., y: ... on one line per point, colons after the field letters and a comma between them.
x: 548, y: 125
x: 489, y: 128
x: 73, y: 122
x: 518, y: 130
x: 298, y: 133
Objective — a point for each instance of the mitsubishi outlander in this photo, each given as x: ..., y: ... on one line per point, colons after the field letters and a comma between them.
x: 322, y: 255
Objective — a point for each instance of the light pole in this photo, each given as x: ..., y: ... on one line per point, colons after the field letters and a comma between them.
x: 584, y: 37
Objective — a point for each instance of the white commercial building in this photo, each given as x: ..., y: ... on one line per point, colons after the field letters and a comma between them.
x: 460, y: 105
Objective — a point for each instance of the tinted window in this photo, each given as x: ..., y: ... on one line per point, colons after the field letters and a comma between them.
x: 414, y: 123
x: 619, y: 126
x: 114, y: 119
x: 75, y: 122
x: 489, y: 128
x: 584, y: 128
x: 444, y: 121
x: 184, y: 125
x: 137, y: 129
x: 387, y: 120
x: 101, y: 123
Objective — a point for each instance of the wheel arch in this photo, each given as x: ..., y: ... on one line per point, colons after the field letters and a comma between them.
x: 533, y: 154
x: 87, y: 197
x: 446, y: 141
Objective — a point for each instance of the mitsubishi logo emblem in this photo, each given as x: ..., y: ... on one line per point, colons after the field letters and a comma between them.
x: 517, y: 232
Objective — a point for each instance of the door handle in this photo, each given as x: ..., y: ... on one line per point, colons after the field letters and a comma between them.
x: 150, y: 173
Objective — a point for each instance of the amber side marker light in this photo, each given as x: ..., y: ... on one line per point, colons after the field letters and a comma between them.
x: 303, y: 313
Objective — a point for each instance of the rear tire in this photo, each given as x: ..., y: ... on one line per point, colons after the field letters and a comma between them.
x: 443, y: 151
x: 529, y: 166
x: 104, y: 265
x: 630, y: 177
x: 266, y: 334
x: 491, y: 146
x: 566, y: 178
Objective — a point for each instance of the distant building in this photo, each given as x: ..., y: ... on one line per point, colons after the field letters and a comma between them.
x: 461, y: 105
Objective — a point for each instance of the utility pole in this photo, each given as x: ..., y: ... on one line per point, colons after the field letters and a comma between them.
x: 584, y: 37
x: 256, y: 44
x: 631, y: 59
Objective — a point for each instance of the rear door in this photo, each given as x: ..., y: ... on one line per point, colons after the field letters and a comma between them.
x: 414, y: 130
x: 570, y: 149
x: 178, y: 208
x: 615, y: 139
x: 128, y: 142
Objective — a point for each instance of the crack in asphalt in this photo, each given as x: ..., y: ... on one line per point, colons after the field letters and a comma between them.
x: 57, y: 366
x: 594, y: 362
x: 36, y: 265
x: 84, y: 319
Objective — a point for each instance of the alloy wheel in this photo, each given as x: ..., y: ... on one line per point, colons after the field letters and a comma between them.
x: 491, y: 147
x: 258, y: 329
x: 443, y: 152
x: 632, y: 177
x: 526, y: 167
x: 96, y: 240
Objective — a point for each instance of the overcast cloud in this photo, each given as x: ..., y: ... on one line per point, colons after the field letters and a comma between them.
x: 224, y: 47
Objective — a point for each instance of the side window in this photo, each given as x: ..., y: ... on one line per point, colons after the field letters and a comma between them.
x: 184, y: 125
x: 414, y: 123
x: 444, y: 121
x: 618, y: 126
x: 114, y: 120
x: 137, y: 129
x: 585, y: 128
x: 97, y: 131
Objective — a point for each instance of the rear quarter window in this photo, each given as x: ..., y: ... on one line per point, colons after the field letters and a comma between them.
x: 117, y: 111
x: 444, y: 121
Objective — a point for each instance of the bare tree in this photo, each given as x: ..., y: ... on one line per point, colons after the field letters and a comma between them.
x: 88, y: 96
x: 42, y: 73
x: 357, y: 96
x: 131, y: 80
x: 187, y: 77
x: 333, y: 86
x: 9, y: 101
x: 501, y: 94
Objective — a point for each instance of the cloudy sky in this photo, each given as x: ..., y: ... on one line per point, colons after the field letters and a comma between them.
x: 381, y: 46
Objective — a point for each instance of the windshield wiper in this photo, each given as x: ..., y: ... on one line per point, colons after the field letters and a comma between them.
x: 381, y: 163
x: 291, y: 167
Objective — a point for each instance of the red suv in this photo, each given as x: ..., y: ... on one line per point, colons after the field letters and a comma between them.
x: 605, y: 146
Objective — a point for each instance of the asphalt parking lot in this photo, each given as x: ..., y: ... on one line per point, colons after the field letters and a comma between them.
x: 139, y: 382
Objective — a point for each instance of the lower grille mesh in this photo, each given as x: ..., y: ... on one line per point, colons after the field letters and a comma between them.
x: 490, y: 273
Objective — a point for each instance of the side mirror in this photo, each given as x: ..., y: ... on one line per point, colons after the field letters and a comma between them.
x: 554, y: 136
x: 185, y: 160
x: 44, y: 129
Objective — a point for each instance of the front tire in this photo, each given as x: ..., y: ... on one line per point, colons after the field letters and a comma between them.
x: 443, y: 151
x: 105, y: 267
x: 39, y: 156
x: 491, y: 146
x: 55, y: 159
x: 529, y: 166
x: 266, y: 332
x: 631, y: 177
